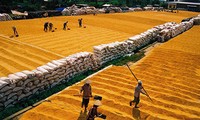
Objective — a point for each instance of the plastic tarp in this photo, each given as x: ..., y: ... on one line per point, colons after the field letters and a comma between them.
x: 60, y: 9
x: 19, y: 13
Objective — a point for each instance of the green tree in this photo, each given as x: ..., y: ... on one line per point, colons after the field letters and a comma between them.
x: 6, y: 2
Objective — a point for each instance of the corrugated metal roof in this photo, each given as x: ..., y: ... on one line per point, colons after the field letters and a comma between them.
x: 189, y: 3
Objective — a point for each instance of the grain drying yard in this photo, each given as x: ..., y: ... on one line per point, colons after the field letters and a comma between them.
x: 170, y: 72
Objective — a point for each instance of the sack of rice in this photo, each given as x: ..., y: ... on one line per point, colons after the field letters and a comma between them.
x: 19, y: 92
x: 53, y: 65
x: 3, y: 99
x: 15, y: 99
x: 28, y: 94
x: 36, y: 82
x: 41, y: 69
x: 29, y: 84
x: 29, y: 74
x: 5, y: 79
x: 27, y: 81
x: 26, y: 90
x: 21, y: 97
x: 17, y: 89
x: 58, y: 63
x: 35, y: 90
x: 11, y: 95
x: 14, y: 78
x: 3, y: 84
x: 48, y: 68
x: 5, y: 88
x: 2, y: 95
x: 7, y: 92
x: 39, y: 74
x: 21, y: 75
x: 8, y: 102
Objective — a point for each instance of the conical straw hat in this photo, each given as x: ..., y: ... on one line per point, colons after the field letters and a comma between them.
x: 88, y: 81
x: 97, y: 103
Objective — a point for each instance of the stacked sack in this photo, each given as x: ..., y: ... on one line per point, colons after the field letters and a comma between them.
x: 79, y: 63
x: 182, y: 27
x: 17, y: 86
x: 136, y: 9
x: 107, y: 52
x: 144, y: 38
x: 197, y: 20
x: 165, y: 31
x: 172, y: 29
x: 80, y: 11
x: 6, y: 88
x: 22, y: 85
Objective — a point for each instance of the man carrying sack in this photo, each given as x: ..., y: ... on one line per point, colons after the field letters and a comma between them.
x: 87, y: 93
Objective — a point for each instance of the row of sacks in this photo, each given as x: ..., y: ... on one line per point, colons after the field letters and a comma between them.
x: 107, y: 52
x: 135, y: 9
x: 172, y: 29
x: 75, y: 10
x: 144, y: 38
x: 22, y: 85
x: 161, y: 33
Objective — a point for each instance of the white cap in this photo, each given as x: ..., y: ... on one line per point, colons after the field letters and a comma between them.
x: 88, y: 81
x: 97, y: 103
x: 139, y: 82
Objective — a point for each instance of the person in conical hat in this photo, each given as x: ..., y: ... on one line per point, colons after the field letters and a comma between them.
x: 140, y: 82
x: 93, y: 111
x: 88, y: 81
x: 87, y: 93
x: 138, y: 90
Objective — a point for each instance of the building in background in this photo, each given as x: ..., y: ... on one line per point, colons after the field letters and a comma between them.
x: 190, y: 5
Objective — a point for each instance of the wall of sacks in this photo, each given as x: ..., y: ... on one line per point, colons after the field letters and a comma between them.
x: 22, y: 85
x: 107, y: 52
x: 161, y: 33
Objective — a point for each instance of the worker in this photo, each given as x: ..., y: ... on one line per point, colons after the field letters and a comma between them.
x: 65, y: 25
x: 80, y: 22
x: 15, y: 31
x: 93, y: 111
x: 87, y: 93
x: 50, y: 26
x: 138, y: 90
x: 46, y: 24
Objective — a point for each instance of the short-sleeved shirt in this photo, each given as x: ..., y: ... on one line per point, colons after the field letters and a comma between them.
x: 87, y: 91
